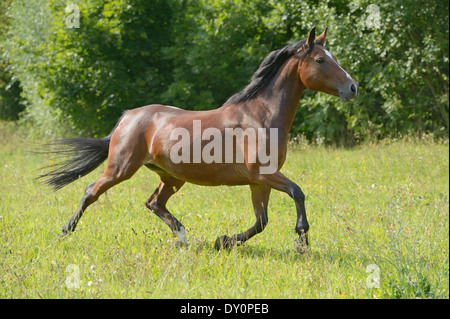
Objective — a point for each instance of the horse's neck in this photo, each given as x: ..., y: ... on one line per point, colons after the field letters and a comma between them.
x: 282, y: 96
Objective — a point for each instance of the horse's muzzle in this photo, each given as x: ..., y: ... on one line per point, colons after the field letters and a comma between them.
x: 349, y: 92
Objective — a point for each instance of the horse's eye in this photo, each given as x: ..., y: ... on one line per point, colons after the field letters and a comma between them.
x: 319, y: 60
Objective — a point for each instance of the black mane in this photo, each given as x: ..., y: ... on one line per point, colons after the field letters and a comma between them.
x: 265, y: 73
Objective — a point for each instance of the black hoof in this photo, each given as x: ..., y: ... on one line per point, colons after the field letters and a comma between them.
x: 224, y: 242
x: 66, y: 230
x: 301, y: 244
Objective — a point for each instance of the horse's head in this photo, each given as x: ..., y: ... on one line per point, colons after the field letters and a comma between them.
x: 319, y: 70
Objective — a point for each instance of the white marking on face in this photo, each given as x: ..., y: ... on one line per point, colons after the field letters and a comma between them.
x: 331, y: 57
x: 328, y: 54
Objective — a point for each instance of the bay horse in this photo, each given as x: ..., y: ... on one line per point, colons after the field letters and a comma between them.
x: 142, y: 137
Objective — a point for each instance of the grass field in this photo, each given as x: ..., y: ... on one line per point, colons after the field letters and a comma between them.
x: 376, y: 211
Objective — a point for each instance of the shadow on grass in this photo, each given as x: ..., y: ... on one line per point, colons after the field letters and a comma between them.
x: 257, y: 251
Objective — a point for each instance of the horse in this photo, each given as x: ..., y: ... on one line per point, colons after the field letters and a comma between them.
x: 145, y: 136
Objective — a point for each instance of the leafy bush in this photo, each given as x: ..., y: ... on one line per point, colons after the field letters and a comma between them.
x: 195, y: 54
x: 10, y: 102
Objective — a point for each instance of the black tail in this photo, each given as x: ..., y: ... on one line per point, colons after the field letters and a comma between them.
x: 85, y: 155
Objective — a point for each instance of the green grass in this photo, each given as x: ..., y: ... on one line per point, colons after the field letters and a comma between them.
x: 385, y: 204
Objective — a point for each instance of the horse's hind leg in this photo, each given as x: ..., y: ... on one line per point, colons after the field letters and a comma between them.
x: 108, y: 179
x: 117, y: 171
x: 84, y: 203
x: 157, y: 204
x: 260, y: 199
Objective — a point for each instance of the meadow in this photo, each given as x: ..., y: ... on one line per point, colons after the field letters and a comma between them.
x: 378, y: 214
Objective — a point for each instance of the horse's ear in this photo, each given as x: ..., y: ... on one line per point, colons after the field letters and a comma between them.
x: 321, y: 38
x: 311, y: 37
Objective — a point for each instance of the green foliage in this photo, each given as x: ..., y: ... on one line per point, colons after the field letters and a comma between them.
x: 10, y: 90
x: 213, y: 57
x: 401, y: 65
x: 195, y: 54
x: 23, y: 53
x: 111, y: 63
x: 10, y: 102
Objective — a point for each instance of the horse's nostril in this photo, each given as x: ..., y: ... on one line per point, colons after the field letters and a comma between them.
x: 353, y: 88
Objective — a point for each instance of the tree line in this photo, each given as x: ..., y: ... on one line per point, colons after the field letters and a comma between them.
x: 73, y: 68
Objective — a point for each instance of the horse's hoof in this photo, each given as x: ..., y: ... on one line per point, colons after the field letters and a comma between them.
x: 300, y: 247
x: 65, y: 231
x: 181, y: 244
x: 223, y: 242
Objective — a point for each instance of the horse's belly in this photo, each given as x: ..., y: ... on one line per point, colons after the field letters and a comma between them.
x: 213, y: 174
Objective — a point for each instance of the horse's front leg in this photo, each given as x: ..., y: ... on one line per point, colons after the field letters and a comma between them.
x: 260, y: 199
x: 280, y: 182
